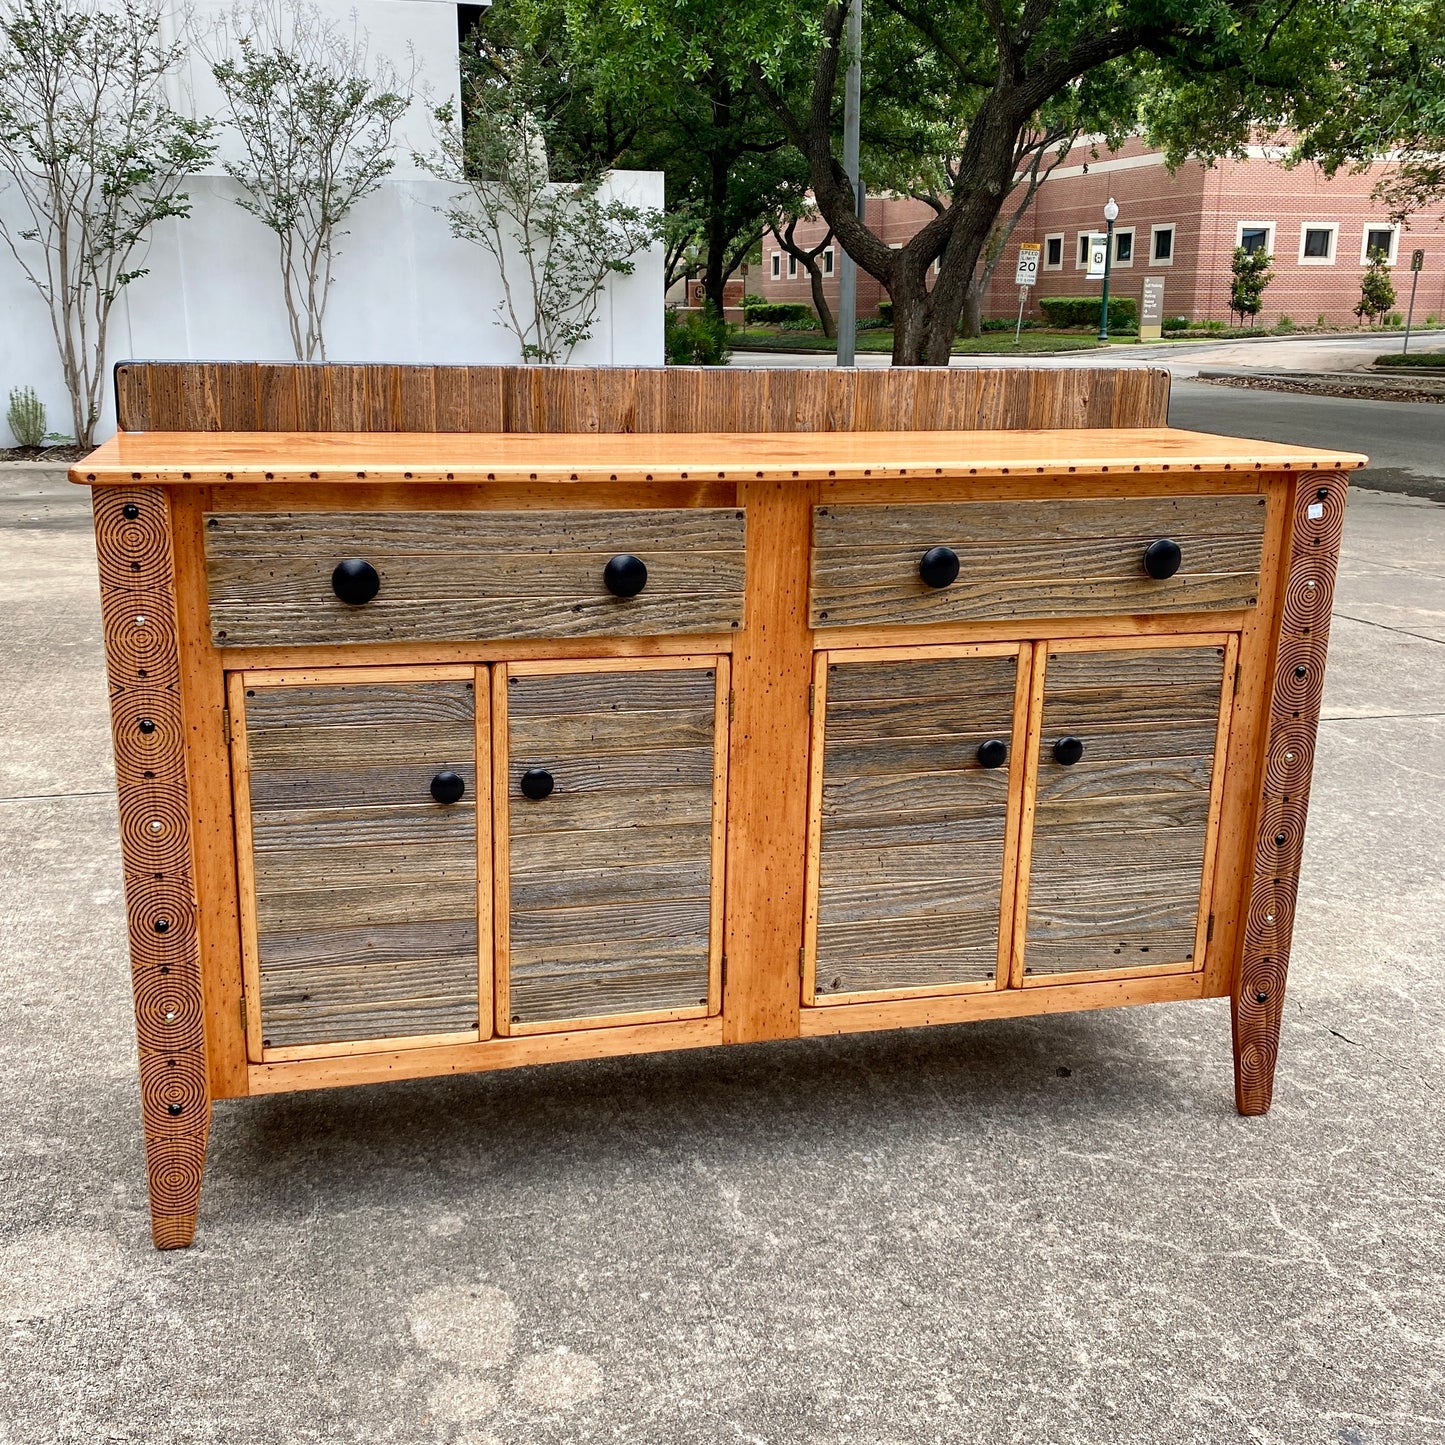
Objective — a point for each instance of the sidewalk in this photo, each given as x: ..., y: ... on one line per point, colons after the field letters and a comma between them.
x: 1045, y: 1230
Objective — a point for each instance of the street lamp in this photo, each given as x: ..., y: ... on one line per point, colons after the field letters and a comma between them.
x: 1111, y: 214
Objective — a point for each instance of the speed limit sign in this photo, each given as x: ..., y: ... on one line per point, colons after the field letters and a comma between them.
x: 1028, y: 267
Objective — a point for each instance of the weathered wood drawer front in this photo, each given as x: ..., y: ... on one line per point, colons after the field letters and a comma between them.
x: 609, y: 795
x: 362, y: 912
x: 458, y: 576
x: 1120, y: 835
x: 1068, y: 558
x: 913, y: 807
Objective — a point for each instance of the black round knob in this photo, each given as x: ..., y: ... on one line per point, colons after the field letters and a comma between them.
x: 993, y: 753
x: 447, y: 786
x: 162, y: 925
x: 355, y: 581
x: 130, y: 511
x: 146, y: 725
x: 1068, y: 751
x: 625, y: 575
x: 536, y: 784
x: 1162, y: 558
x: 938, y: 566
x: 175, y: 1110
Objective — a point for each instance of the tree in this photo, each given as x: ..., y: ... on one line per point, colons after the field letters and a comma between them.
x: 315, y: 116
x: 96, y: 157
x: 649, y: 97
x: 554, y: 244
x: 784, y: 230
x: 1377, y: 290
x: 1252, y: 271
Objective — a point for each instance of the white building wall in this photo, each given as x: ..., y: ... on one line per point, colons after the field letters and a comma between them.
x: 405, y: 290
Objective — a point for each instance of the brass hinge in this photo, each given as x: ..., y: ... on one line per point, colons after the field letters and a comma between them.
x: 723, y: 971
x: 226, y: 724
x: 802, y: 959
x: 244, y: 1021
x: 732, y: 703
x: 1209, y: 931
x: 1236, y: 676
x: 812, y: 697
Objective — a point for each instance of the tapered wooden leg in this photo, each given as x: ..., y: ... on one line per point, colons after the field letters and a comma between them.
x: 133, y: 544
x: 1317, y: 515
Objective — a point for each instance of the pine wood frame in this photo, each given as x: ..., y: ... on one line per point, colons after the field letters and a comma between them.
x: 189, y: 979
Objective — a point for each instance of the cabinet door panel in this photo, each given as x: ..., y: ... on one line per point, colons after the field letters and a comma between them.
x: 610, y: 906
x: 363, y: 901
x: 910, y: 829
x: 1119, y: 838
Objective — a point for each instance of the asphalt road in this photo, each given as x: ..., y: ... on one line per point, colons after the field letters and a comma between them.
x: 1405, y: 441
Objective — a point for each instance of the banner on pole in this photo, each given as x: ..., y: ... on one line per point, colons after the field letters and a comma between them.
x: 1098, y: 256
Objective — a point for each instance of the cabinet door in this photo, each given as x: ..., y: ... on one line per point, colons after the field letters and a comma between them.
x: 357, y: 842
x: 609, y: 793
x: 915, y: 806
x: 1128, y: 758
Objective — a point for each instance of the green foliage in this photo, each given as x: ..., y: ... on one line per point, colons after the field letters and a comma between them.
x: 885, y: 311
x: 554, y: 244
x: 1285, y: 323
x: 1084, y: 311
x: 26, y: 417
x: 95, y: 155
x: 1006, y: 323
x: 315, y: 117
x: 700, y: 338
x: 1377, y: 289
x: 1426, y: 360
x: 783, y: 313
x: 1251, y: 272
x: 1175, y: 323
x: 750, y: 303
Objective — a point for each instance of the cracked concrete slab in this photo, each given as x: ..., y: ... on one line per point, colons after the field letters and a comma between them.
x: 1040, y: 1230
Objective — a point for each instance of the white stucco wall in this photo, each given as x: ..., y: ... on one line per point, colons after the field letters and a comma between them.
x: 405, y: 289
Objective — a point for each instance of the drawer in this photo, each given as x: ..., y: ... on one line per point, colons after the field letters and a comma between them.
x: 992, y: 560
x: 274, y: 577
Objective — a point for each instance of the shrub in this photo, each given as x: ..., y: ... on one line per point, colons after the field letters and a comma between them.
x: 1084, y: 311
x: 885, y: 311
x: 1005, y: 323
x: 1377, y: 290
x: 1285, y: 323
x: 1251, y: 272
x: 1320, y: 321
x: 698, y: 339
x: 750, y: 303
x: 1395, y: 318
x: 782, y: 312
x: 1419, y: 358
x: 26, y: 416
x: 1175, y: 323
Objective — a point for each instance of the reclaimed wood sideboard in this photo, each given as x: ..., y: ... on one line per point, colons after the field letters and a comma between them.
x: 468, y: 718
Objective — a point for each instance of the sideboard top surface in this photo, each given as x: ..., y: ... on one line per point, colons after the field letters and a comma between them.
x: 290, y: 458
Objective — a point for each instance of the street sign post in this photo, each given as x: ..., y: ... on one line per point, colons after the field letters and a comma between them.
x: 1417, y: 265
x: 1151, y: 314
x: 1025, y: 274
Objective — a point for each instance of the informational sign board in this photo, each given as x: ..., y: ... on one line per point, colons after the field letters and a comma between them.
x: 1417, y: 260
x: 1098, y: 256
x: 1028, y: 267
x: 1151, y: 314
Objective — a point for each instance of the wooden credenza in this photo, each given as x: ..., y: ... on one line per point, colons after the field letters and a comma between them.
x: 626, y: 724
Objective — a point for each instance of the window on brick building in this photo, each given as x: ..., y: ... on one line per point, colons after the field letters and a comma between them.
x: 1124, y: 247
x: 827, y: 260
x: 792, y: 267
x: 1054, y: 253
x: 1161, y: 248
x: 777, y: 264
x: 1256, y: 237
x: 1384, y: 239
x: 1317, y: 244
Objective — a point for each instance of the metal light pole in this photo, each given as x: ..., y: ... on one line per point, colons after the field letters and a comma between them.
x: 1111, y: 214
x: 848, y: 269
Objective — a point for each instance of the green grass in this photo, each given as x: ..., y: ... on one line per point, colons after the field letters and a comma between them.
x: 1423, y: 359
x: 766, y: 338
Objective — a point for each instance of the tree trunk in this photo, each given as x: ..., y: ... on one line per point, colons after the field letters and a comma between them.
x: 973, y: 310
x: 820, y: 299
x: 715, y: 273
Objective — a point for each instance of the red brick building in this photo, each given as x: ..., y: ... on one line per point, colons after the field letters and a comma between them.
x: 1184, y: 227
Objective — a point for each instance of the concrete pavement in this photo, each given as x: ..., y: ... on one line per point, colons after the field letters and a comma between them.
x: 1037, y: 1231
